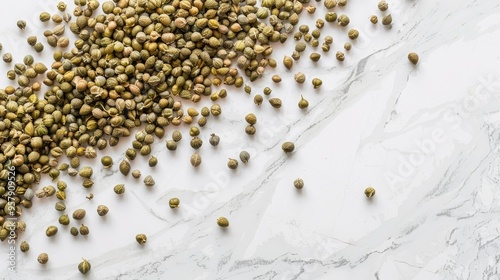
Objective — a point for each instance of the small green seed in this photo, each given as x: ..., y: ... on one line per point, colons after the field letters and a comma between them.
x: 303, y: 103
x: 288, y: 147
x: 298, y: 183
x: 369, y: 192
x: 119, y: 189
x: 84, y: 266
x: 141, y: 238
x: 387, y: 20
x: 275, y: 102
x: 353, y: 34
x: 174, y: 202
x: 244, y: 156
x: 316, y: 82
x: 232, y: 163
x: 413, y: 58
x: 315, y: 56
x: 21, y: 24
x: 107, y: 161
x: 223, y: 222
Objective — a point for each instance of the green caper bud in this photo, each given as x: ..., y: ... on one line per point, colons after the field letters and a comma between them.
x: 196, y: 143
x: 73, y: 231
x: 38, y: 47
x: 102, y: 210
x: 124, y: 167
x: 251, y: 118
x: 275, y: 102
x: 171, y: 145
x: 60, y: 206
x: 316, y: 82
x: 215, y: 110
x: 247, y: 89
x: 31, y: 40
x: 340, y: 56
x: 11, y: 75
x: 107, y: 161
x: 86, y: 172
x: 21, y: 24
x: 87, y: 183
x: 303, y: 103
x: 276, y: 78
x: 347, y: 46
x: 130, y: 153
x: 304, y: 29
x: 84, y: 230
x: 330, y: 17
x: 64, y: 220
x: 223, y: 222
x: 214, y: 139
x: 298, y: 183
x: 287, y: 62
x: 369, y: 192
x: 51, y: 231
x: 315, y: 56
x: 44, y: 17
x: 7, y: 58
x: 250, y: 129
x: 387, y: 20
x: 195, y: 160
x: 79, y: 214
x: 74, y: 162
x: 177, y: 135
x: 258, y: 99
x: 84, y: 266
x: 288, y: 147
x: 136, y: 174
x: 153, y: 161
x: 232, y: 163
x: 329, y: 4
x: 174, y: 202
x: 343, y: 20
x: 141, y: 238
x: 244, y: 156
x: 353, y: 34
x: 413, y: 58
x: 316, y: 33
x: 43, y: 258
x: 149, y: 181
x: 300, y: 77
x: 383, y: 6
x: 119, y: 189
x: 300, y: 47
x: 25, y: 247
x: 194, y: 131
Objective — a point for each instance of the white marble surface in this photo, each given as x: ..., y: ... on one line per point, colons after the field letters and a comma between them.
x: 426, y: 137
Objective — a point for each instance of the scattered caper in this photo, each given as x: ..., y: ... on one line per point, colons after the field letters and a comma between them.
x: 244, y: 156
x: 288, y: 147
x: 141, y: 238
x: 223, y: 222
x: 232, y: 163
x: 369, y: 192
x: 298, y: 183
x: 413, y: 58
x: 174, y: 202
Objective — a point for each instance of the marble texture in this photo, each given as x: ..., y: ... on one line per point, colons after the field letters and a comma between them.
x: 426, y: 137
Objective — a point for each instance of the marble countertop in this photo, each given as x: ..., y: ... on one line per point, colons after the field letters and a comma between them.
x: 427, y: 138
